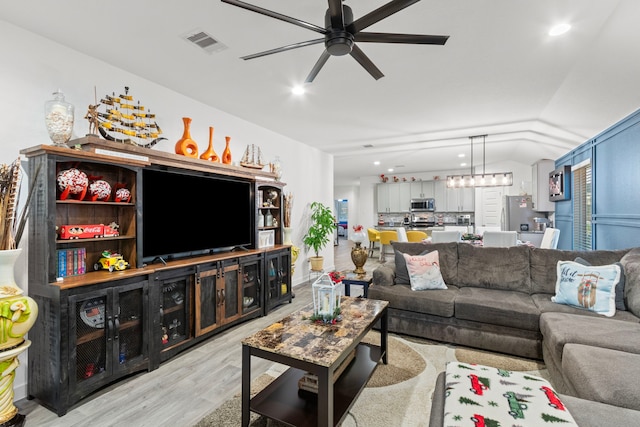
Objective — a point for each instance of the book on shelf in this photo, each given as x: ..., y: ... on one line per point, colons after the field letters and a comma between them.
x: 71, y: 262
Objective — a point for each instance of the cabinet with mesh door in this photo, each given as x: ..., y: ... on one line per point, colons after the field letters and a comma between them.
x: 107, y: 332
x: 277, y: 278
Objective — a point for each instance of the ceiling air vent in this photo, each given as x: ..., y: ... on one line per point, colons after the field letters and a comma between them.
x: 204, y: 41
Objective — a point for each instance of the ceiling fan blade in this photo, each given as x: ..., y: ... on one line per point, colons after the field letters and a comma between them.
x: 364, y: 60
x: 276, y: 15
x: 282, y: 49
x: 316, y: 68
x: 400, y: 38
x: 378, y: 14
x: 335, y: 11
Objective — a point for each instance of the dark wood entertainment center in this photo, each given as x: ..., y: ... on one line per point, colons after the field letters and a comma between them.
x: 97, y: 327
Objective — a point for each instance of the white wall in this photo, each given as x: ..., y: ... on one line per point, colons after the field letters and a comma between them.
x: 33, y: 68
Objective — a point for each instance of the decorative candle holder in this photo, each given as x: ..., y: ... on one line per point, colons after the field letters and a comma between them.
x: 327, y: 294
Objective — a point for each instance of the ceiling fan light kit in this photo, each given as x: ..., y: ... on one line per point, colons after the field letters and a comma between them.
x: 497, y: 179
x: 341, y: 33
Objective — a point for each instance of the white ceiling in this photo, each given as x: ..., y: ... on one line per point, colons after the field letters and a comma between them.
x: 499, y: 74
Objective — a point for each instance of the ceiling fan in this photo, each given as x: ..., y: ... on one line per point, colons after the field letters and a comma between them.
x: 341, y: 33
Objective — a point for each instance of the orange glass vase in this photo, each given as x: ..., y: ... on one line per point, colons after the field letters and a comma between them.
x: 210, y: 154
x: 185, y: 145
x: 226, y: 154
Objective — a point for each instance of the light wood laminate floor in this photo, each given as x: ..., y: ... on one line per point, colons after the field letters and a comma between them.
x: 189, y: 386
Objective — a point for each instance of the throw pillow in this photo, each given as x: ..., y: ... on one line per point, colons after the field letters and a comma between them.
x: 620, y: 305
x: 402, y: 275
x: 424, y: 271
x: 588, y: 287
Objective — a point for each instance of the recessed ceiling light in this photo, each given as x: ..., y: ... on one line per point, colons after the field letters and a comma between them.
x: 377, y: 163
x: 463, y: 164
x: 559, y: 29
x: 461, y: 155
x: 390, y: 170
x: 297, y: 90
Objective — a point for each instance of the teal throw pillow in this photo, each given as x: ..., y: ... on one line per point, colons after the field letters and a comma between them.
x: 588, y: 287
x: 620, y: 305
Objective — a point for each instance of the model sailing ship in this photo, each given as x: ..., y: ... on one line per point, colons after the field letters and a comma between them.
x: 252, y: 157
x: 124, y: 120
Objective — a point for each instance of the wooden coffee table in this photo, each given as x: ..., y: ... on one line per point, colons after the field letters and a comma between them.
x: 319, y: 349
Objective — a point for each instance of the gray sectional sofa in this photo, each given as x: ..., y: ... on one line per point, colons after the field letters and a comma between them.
x: 499, y: 299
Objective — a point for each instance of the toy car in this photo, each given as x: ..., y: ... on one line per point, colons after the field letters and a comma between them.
x: 111, y: 261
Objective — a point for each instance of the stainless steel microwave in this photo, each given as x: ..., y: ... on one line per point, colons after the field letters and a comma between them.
x: 423, y: 205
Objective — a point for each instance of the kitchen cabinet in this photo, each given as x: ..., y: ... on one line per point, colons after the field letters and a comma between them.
x: 440, y: 194
x: 394, y: 197
x: 540, y: 188
x: 460, y: 199
x: 422, y: 189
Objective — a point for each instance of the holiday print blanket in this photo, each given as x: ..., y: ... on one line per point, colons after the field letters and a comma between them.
x: 480, y: 396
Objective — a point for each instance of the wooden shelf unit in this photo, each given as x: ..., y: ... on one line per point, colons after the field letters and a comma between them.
x: 101, y: 326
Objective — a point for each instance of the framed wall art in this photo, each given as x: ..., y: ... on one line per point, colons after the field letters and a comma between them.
x: 560, y: 184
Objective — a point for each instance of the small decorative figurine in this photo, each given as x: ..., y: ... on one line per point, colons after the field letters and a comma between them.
x: 111, y: 261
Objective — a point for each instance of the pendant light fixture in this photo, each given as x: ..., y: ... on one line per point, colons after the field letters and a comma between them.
x: 497, y: 179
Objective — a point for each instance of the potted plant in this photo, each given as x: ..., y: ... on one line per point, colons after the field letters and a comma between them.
x: 319, y: 233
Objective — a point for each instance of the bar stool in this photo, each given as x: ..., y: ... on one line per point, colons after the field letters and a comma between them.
x: 374, y: 237
x: 386, y: 237
x: 416, y: 236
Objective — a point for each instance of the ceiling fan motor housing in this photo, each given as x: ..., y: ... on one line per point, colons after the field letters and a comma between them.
x: 338, y: 41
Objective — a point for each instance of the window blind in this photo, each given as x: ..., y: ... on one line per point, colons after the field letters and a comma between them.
x: 582, y: 240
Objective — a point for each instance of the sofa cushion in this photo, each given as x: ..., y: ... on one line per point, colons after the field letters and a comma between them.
x: 587, y: 286
x: 544, y: 304
x: 424, y: 271
x: 587, y: 373
x: 494, y: 268
x: 439, y: 302
x: 620, y: 305
x: 631, y: 264
x: 402, y: 274
x: 544, y: 262
x: 447, y: 252
x: 559, y: 329
x: 497, y: 307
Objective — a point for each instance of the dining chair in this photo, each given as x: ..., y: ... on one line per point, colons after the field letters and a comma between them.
x: 374, y: 237
x: 416, y: 236
x: 499, y: 239
x: 444, y: 236
x: 386, y: 237
x: 550, y: 238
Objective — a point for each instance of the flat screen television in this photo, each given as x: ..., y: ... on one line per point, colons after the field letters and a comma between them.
x: 190, y: 214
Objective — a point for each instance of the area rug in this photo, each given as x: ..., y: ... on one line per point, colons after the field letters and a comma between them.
x: 398, y: 394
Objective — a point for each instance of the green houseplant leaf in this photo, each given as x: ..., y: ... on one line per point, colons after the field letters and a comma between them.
x: 321, y: 229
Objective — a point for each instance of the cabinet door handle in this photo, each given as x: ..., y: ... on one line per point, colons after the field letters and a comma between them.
x: 222, y: 296
x: 117, y: 327
x: 109, y: 328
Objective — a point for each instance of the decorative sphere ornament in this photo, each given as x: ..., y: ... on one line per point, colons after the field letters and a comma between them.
x: 100, y: 190
x: 72, y: 181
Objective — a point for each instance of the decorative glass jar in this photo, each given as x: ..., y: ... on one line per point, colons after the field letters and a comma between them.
x: 58, y: 116
x: 276, y: 168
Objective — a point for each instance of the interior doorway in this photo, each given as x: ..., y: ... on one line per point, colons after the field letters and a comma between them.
x: 342, y: 213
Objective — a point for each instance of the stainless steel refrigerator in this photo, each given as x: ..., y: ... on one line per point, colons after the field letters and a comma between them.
x: 518, y: 214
